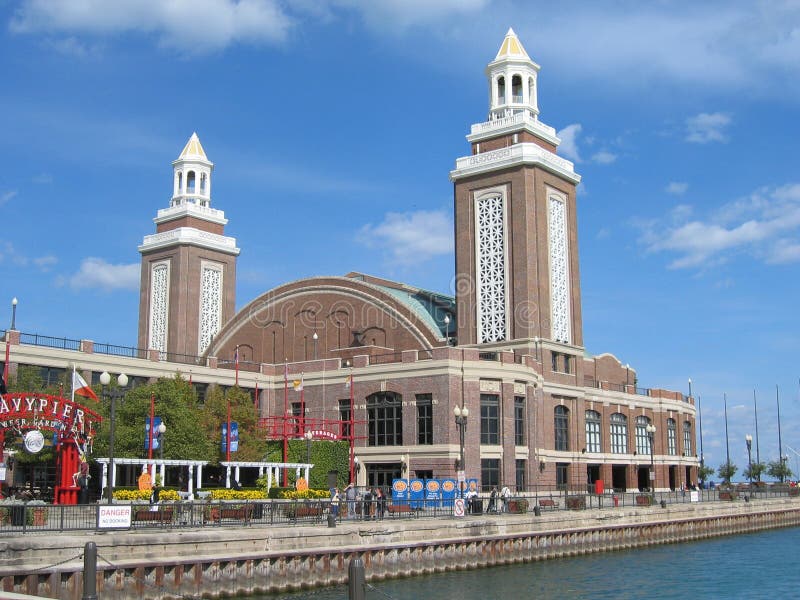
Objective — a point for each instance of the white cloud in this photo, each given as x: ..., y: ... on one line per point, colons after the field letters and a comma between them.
x: 411, y: 238
x: 604, y: 157
x: 569, y: 142
x: 766, y: 225
x: 6, y: 196
x: 97, y: 273
x: 677, y: 188
x: 707, y: 127
x: 192, y: 26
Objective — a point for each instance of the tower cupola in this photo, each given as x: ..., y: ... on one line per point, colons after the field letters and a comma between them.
x: 512, y: 81
x: 192, y: 184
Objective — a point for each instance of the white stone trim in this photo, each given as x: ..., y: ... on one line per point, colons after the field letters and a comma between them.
x: 209, y: 303
x: 559, y: 261
x: 491, y: 265
x: 190, y: 236
x: 518, y: 122
x: 191, y: 209
x: 518, y: 154
x: 158, y: 318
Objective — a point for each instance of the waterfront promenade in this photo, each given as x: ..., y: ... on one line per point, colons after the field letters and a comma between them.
x: 166, y: 563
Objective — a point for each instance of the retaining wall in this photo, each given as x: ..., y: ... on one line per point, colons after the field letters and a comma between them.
x: 202, y: 563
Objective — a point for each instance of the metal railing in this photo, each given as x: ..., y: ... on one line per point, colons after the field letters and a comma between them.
x: 36, y: 518
x: 34, y: 339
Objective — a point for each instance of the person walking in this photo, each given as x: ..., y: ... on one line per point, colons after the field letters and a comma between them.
x: 350, y: 495
x: 492, y: 501
x: 505, y: 496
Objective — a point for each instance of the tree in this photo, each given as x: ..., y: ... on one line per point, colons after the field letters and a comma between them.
x: 704, y: 472
x: 779, y: 469
x: 727, y: 470
x: 215, y: 413
x: 175, y: 404
x: 754, y: 471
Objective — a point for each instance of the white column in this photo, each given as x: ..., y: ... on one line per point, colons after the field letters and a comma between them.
x: 269, y: 479
x: 228, y: 477
x: 236, y: 477
x: 104, y: 482
x: 190, y: 484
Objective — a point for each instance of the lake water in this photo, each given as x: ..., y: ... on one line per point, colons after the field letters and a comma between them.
x: 757, y: 565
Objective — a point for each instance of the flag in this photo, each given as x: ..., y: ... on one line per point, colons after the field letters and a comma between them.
x: 298, y: 384
x: 348, y: 382
x: 81, y: 388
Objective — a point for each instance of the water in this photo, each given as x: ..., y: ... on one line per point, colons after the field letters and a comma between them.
x: 757, y: 565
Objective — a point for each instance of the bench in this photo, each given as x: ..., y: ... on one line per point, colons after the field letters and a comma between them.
x: 239, y: 513
x: 548, y: 503
x: 160, y: 516
x: 308, y: 511
x: 728, y: 495
x: 644, y: 500
x: 399, y: 509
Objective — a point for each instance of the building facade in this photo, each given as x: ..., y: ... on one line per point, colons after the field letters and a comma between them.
x: 388, y: 363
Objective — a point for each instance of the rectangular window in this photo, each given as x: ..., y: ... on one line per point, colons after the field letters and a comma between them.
x: 567, y: 363
x: 687, y: 438
x: 592, y: 431
x: 424, y: 419
x: 562, y: 475
x: 521, y: 463
x: 490, y: 473
x: 642, y: 439
x: 619, y: 434
x: 519, y: 421
x: 672, y: 442
x: 554, y: 361
x: 344, y: 417
x: 490, y: 419
x: 561, y: 428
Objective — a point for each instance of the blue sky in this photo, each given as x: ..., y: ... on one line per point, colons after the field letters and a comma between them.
x: 333, y: 125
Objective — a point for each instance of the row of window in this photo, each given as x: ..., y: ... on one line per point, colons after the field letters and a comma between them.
x: 618, y: 433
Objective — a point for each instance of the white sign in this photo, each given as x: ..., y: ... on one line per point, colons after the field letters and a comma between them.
x: 34, y: 441
x: 458, y: 507
x: 462, y: 476
x: 113, y: 515
x: 694, y: 496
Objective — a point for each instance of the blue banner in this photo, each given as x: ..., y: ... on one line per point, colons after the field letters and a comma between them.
x: 417, y: 493
x: 449, y: 491
x: 234, y: 436
x: 147, y: 439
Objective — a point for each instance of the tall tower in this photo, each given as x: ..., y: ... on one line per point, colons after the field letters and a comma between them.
x: 188, y: 282
x: 515, y: 219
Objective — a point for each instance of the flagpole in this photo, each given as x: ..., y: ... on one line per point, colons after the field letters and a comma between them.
x: 302, y: 406
x: 228, y: 437
x: 236, y: 360
x: 150, y: 429
x: 5, y: 365
x: 352, y: 427
x: 285, y: 417
x: 72, y: 396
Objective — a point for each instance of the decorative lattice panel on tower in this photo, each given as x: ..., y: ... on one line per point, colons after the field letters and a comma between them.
x: 559, y: 269
x: 159, y: 304
x: 491, y: 263
x: 210, y: 305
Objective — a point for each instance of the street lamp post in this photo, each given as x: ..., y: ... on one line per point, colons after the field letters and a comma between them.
x: 118, y: 392
x: 13, y: 312
x: 749, y: 441
x: 461, y: 413
x: 162, y: 429
x: 447, y: 330
x: 315, y: 337
x: 308, y: 435
x: 651, y: 432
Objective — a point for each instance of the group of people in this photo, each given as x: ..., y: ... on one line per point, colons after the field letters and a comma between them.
x: 372, y: 502
x: 505, y: 496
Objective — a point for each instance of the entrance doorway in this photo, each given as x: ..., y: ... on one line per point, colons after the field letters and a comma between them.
x: 592, y: 475
x: 382, y: 474
x: 619, y: 478
x: 643, y: 479
x: 673, y: 477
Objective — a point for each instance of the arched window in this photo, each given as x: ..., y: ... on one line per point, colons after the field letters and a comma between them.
x: 516, y: 89
x: 180, y: 182
x: 385, y: 419
x: 501, y: 90
x: 190, y: 182
x: 593, y: 431
x: 642, y: 437
x: 672, y: 441
x: 619, y: 433
x: 561, y: 425
x: 687, y: 438
x: 203, y: 177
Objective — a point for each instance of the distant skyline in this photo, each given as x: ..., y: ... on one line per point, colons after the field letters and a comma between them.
x: 333, y: 126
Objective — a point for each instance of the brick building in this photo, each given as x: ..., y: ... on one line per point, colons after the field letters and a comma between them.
x: 508, y: 347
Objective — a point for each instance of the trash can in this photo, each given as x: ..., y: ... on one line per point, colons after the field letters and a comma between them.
x: 476, y: 506
x: 18, y: 514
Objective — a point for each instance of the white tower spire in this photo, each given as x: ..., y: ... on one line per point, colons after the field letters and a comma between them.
x: 512, y: 81
x: 192, y: 184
